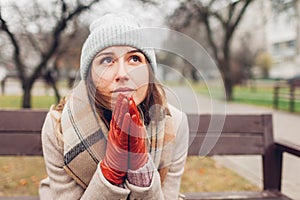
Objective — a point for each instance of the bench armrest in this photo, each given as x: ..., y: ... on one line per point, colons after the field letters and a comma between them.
x: 287, y: 146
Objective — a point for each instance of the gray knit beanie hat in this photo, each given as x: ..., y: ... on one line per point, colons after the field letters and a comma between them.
x: 111, y: 30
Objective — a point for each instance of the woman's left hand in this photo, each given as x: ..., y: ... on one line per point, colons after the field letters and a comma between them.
x: 137, y: 140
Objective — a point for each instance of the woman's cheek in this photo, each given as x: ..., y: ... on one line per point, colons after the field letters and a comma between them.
x: 140, y: 94
x: 102, y: 82
x: 140, y: 77
x: 102, y: 78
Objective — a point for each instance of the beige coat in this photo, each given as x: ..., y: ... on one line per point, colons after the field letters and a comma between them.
x: 60, y: 186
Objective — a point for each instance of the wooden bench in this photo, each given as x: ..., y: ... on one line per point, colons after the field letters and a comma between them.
x: 240, y: 135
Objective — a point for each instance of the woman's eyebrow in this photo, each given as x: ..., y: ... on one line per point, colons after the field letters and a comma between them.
x: 134, y: 51
x: 104, y: 53
x: 111, y: 53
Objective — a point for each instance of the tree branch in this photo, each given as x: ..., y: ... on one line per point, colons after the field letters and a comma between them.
x: 239, y: 17
x: 205, y: 19
x: 11, y: 36
x: 204, y: 14
x: 173, y: 19
x: 151, y: 2
x: 211, y: 40
x: 58, y: 30
x: 220, y: 18
x: 29, y: 36
x: 211, y: 3
x: 231, y: 9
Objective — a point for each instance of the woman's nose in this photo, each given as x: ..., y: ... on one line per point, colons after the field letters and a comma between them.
x: 122, y: 73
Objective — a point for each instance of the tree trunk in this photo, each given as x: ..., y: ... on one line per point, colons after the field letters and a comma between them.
x: 26, y: 102
x: 227, y: 78
x: 53, y: 84
x: 228, y: 88
x: 194, y: 75
x: 226, y: 69
x: 3, y: 85
x: 57, y: 95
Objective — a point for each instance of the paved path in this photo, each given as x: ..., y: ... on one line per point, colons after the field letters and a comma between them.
x: 285, y: 125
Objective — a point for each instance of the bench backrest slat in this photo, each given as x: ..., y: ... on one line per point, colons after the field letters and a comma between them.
x: 240, y: 134
x: 227, y: 135
x: 233, y: 123
x: 22, y: 120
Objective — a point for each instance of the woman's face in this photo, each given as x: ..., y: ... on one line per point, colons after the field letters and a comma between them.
x: 121, y: 69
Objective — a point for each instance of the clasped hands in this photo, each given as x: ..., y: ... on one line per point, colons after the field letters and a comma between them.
x: 126, y: 145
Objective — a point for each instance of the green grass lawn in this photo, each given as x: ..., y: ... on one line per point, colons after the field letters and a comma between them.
x: 13, y: 101
x: 21, y: 175
x: 261, y: 96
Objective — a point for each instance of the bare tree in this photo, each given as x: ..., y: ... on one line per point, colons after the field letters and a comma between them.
x: 220, y: 19
x: 45, y: 46
x: 244, y: 56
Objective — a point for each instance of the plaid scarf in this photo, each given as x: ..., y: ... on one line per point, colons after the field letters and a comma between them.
x: 85, y: 136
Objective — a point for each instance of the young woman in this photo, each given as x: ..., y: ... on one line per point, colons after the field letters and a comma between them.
x: 115, y: 136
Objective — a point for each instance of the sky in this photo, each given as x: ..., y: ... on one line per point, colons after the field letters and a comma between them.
x: 151, y: 15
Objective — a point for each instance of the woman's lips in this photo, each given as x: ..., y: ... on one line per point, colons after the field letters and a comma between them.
x: 123, y: 90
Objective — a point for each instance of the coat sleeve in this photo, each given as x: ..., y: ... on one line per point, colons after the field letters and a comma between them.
x: 171, y: 184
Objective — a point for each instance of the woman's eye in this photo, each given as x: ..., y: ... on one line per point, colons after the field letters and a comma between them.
x: 107, y: 60
x: 135, y: 59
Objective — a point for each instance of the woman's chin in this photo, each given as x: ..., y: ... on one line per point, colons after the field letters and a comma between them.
x: 127, y: 93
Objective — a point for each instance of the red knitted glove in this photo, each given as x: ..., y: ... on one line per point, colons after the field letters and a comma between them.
x: 115, y: 163
x: 138, y: 152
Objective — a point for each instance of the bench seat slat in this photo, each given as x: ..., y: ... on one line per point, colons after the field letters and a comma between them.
x: 226, y: 145
x: 21, y: 144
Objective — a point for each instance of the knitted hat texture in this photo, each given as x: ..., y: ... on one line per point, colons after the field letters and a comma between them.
x: 112, y: 30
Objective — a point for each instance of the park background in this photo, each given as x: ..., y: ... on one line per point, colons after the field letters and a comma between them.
x: 254, y: 43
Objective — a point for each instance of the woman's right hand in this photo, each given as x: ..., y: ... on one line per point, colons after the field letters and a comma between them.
x: 115, y: 163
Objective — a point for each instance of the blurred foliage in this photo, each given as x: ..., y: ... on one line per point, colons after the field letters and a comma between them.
x: 265, y: 62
